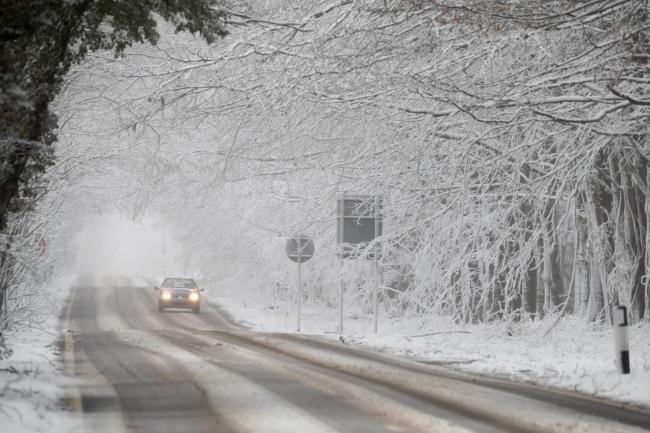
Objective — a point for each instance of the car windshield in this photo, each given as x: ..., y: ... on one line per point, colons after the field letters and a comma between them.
x: 179, y: 283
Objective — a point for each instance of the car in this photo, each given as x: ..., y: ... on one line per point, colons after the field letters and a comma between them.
x: 179, y: 293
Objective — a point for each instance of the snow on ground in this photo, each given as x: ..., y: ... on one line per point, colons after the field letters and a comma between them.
x: 573, y: 356
x: 32, y: 384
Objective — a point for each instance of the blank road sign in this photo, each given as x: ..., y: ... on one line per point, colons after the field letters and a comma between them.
x: 358, y: 223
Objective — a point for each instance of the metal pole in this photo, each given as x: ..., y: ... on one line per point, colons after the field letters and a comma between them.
x: 375, y: 308
x: 299, y: 286
x: 341, y: 288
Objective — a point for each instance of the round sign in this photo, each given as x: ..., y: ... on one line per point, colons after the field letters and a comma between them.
x: 299, y: 248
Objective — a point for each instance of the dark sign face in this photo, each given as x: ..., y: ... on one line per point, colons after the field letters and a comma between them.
x: 358, y: 224
x: 299, y: 248
x: 359, y: 207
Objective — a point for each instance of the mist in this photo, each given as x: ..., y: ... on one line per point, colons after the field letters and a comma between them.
x: 111, y: 244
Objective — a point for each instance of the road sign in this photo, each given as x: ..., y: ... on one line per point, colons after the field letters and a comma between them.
x: 299, y: 248
x: 359, y: 223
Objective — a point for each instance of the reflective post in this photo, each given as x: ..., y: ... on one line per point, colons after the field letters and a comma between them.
x: 621, y: 339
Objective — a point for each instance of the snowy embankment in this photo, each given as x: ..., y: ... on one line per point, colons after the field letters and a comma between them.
x: 32, y: 383
x: 572, y: 356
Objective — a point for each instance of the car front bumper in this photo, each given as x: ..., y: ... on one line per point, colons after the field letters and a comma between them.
x: 179, y: 302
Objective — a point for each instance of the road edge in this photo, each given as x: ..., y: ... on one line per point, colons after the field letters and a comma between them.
x: 503, y: 382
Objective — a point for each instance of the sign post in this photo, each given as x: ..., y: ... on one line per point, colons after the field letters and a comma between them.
x: 359, y: 223
x: 341, y: 282
x: 299, y: 284
x: 299, y: 248
x: 375, y: 293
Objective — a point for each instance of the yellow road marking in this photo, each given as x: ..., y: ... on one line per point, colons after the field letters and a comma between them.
x: 73, y: 394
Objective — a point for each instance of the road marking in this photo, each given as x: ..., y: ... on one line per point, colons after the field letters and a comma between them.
x: 94, y: 383
x: 73, y: 394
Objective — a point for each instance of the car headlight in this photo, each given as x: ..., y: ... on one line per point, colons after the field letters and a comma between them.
x: 194, y: 297
x: 166, y: 296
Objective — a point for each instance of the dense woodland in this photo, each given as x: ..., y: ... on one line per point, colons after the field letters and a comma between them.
x: 508, y: 140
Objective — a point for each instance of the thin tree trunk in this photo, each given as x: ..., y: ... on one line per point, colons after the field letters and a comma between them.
x: 634, y: 243
x: 539, y: 304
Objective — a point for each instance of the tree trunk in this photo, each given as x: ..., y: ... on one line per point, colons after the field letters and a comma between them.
x: 633, y: 243
x: 600, y: 204
x: 581, y: 282
x: 539, y: 302
x: 529, y: 289
x: 551, y: 275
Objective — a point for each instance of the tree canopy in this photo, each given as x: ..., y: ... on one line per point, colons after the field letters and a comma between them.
x: 40, y: 40
x: 508, y: 138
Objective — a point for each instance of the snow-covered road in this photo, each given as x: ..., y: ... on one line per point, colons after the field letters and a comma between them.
x: 141, y: 370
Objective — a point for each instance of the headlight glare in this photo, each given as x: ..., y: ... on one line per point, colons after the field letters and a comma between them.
x: 166, y: 296
x: 194, y: 297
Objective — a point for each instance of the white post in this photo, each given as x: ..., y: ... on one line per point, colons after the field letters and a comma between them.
x: 375, y: 307
x: 621, y: 339
x: 299, y: 288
